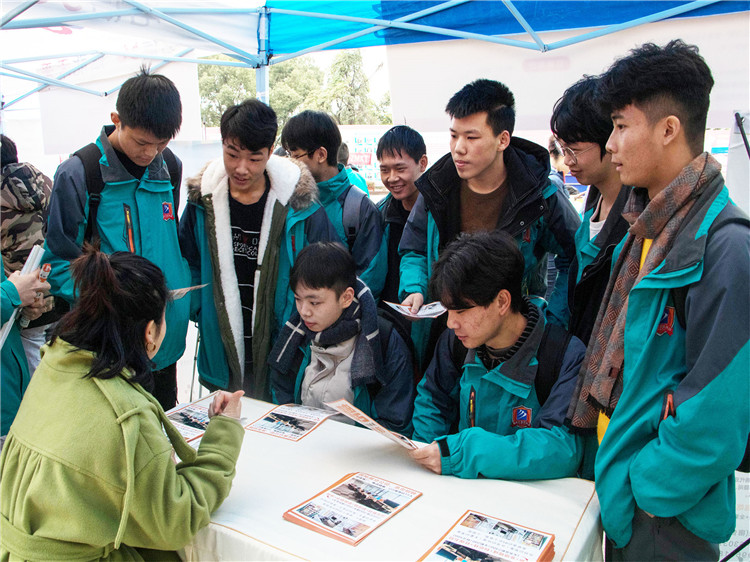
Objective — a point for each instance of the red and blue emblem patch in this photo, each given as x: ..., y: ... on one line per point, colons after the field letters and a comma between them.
x: 521, y: 417
x: 666, y: 324
x: 167, y: 212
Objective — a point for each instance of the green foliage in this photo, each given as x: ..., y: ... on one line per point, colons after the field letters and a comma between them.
x: 296, y: 85
x: 221, y: 87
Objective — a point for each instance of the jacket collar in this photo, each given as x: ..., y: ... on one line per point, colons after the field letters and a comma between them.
x: 615, y: 227
x: 114, y: 171
x: 528, y: 171
x: 690, y: 242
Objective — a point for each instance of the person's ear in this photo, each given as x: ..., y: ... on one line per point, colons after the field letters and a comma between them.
x: 115, y: 117
x: 347, y: 297
x: 670, y: 128
x: 503, y: 141
x: 502, y: 301
x: 423, y: 163
x: 150, y: 336
x: 321, y: 155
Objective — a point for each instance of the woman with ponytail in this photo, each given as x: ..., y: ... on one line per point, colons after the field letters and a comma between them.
x: 86, y: 472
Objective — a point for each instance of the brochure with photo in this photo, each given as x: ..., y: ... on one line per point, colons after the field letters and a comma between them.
x: 191, y: 419
x: 290, y: 421
x: 429, y: 310
x: 479, y: 537
x: 349, y: 410
x: 353, y: 507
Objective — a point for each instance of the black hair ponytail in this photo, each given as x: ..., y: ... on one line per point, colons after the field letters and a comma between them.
x: 118, y: 295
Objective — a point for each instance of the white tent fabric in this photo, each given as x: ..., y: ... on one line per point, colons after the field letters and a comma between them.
x: 257, y: 33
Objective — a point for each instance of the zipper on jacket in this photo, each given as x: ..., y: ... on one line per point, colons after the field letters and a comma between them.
x: 129, y: 237
x: 667, y: 408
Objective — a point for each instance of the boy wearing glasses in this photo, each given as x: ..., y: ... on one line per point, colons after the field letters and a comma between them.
x: 313, y: 138
x: 248, y: 216
x: 581, y: 133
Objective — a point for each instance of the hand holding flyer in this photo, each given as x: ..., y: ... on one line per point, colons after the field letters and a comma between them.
x: 429, y: 310
x: 344, y: 407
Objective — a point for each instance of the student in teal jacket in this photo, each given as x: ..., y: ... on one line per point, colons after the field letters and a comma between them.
x: 313, y: 138
x: 137, y: 212
x: 20, y: 290
x: 581, y: 132
x: 245, y: 251
x: 668, y: 358
x: 491, y: 180
x: 509, y: 421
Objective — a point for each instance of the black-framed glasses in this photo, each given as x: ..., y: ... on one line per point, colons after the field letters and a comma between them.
x: 298, y: 156
x: 568, y: 152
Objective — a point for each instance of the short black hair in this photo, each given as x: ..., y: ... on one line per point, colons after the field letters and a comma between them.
x: 661, y: 81
x: 474, y: 268
x: 252, y: 123
x: 324, y: 265
x: 399, y: 139
x: 8, y: 151
x: 150, y: 102
x: 577, y: 117
x: 309, y: 131
x: 489, y: 96
x: 342, y: 156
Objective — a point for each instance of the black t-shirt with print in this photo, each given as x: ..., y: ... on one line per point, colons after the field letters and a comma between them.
x: 247, y: 222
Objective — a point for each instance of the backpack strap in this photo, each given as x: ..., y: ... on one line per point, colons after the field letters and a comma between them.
x: 679, y: 294
x: 350, y: 214
x: 389, y: 320
x: 458, y: 352
x: 89, y: 156
x: 384, y: 334
x: 550, y: 356
x: 175, y: 177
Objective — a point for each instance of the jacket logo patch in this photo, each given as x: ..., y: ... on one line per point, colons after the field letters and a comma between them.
x: 166, y: 210
x: 666, y: 324
x: 521, y: 417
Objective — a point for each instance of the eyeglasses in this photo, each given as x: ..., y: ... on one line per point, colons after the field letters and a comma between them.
x: 298, y: 156
x: 568, y: 152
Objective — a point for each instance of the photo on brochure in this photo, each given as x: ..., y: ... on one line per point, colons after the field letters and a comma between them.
x: 191, y: 419
x: 353, y: 507
x: 429, y: 310
x: 479, y: 537
x: 290, y: 421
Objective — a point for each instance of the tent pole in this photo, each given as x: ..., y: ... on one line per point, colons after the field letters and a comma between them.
x: 261, y: 72
x: 21, y: 8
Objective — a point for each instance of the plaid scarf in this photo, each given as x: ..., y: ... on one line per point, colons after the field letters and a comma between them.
x: 600, y: 379
x: 360, y: 319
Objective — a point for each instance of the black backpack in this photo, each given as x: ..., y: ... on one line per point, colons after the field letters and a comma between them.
x: 89, y: 156
x: 387, y: 322
x: 551, y: 353
x: 679, y: 295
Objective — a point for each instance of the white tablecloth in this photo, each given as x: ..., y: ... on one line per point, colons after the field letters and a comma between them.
x: 274, y: 475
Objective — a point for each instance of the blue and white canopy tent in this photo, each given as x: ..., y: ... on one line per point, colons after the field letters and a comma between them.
x: 259, y: 34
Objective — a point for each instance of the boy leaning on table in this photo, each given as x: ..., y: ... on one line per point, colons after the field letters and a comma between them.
x: 500, y: 373
x: 336, y: 346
